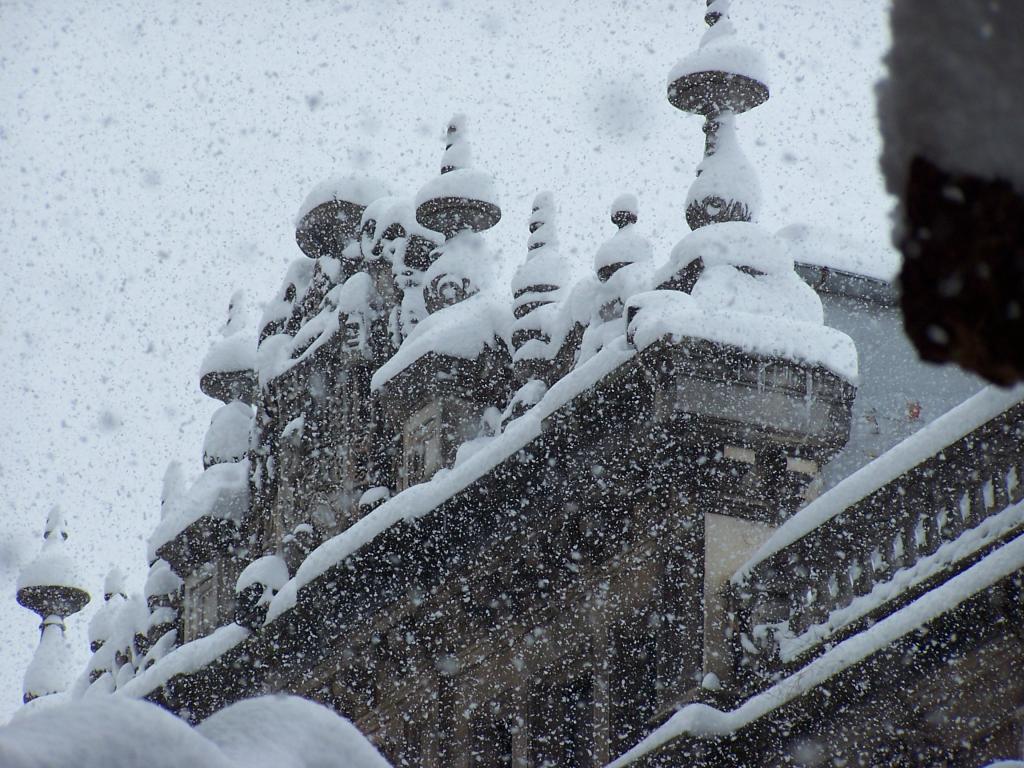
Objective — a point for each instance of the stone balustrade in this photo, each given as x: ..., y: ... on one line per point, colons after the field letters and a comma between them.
x: 880, y: 552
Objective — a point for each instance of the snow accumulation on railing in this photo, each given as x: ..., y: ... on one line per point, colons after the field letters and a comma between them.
x: 927, y: 442
x: 704, y: 722
x: 424, y: 497
x: 990, y: 530
x: 930, y: 505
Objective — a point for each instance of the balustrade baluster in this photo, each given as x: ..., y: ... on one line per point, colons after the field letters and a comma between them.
x: 965, y: 506
x: 1014, y: 485
x: 798, y: 589
x: 931, y: 532
x: 882, y: 563
x: 897, y: 550
x: 846, y: 588
x: 865, y: 576
x: 910, y: 545
x: 821, y: 606
x: 950, y: 500
x: 999, y: 489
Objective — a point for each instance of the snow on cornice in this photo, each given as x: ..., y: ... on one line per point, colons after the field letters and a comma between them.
x: 462, y: 330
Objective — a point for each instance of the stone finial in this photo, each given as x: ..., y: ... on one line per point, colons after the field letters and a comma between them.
x: 460, y: 198
x: 536, y: 286
x: 721, y: 79
x: 328, y: 220
x: 49, y: 587
x: 624, y: 210
x: 625, y: 246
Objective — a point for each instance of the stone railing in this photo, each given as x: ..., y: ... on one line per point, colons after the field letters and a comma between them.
x: 914, y: 520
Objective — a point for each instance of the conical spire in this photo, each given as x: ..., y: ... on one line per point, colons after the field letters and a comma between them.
x: 536, y: 287
x: 101, y: 628
x: 238, y: 315
x: 457, y: 154
x: 720, y: 80
x: 50, y: 587
x: 113, y: 584
x: 539, y: 279
x: 174, y: 488
x: 163, y: 592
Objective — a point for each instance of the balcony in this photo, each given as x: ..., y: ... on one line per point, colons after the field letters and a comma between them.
x: 910, y: 520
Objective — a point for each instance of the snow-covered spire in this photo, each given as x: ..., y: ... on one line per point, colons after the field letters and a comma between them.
x: 101, y: 627
x: 163, y: 591
x: 238, y: 314
x: 720, y: 80
x: 50, y: 587
x: 460, y: 197
x: 457, y: 153
x: 540, y: 278
x: 459, y: 203
x: 538, y: 283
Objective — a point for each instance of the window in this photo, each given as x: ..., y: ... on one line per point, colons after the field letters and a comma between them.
x: 203, y: 607
x: 491, y: 737
x: 561, y: 723
x: 632, y: 678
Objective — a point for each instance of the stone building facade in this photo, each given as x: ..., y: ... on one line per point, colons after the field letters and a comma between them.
x: 656, y: 515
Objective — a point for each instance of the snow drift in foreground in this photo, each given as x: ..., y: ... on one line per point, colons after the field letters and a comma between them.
x: 117, y: 732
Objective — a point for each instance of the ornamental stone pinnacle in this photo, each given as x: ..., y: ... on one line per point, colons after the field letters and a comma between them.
x: 722, y: 79
x: 48, y: 586
x: 461, y: 197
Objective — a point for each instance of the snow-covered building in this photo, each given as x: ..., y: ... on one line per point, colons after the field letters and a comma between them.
x: 692, y: 509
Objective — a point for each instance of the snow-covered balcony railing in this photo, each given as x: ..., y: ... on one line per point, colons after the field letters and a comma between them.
x: 914, y: 517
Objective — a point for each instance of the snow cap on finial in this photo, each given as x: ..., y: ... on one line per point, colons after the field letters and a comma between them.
x: 328, y: 219
x: 238, y: 314
x: 460, y: 198
x: 624, y: 210
x: 113, y: 584
x: 50, y: 583
x: 721, y: 79
x: 538, y: 280
x: 49, y: 586
x: 457, y: 153
x: 626, y: 246
x: 227, y: 372
x: 174, y: 487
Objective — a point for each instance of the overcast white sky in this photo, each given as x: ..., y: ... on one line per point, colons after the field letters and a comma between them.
x: 152, y: 158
